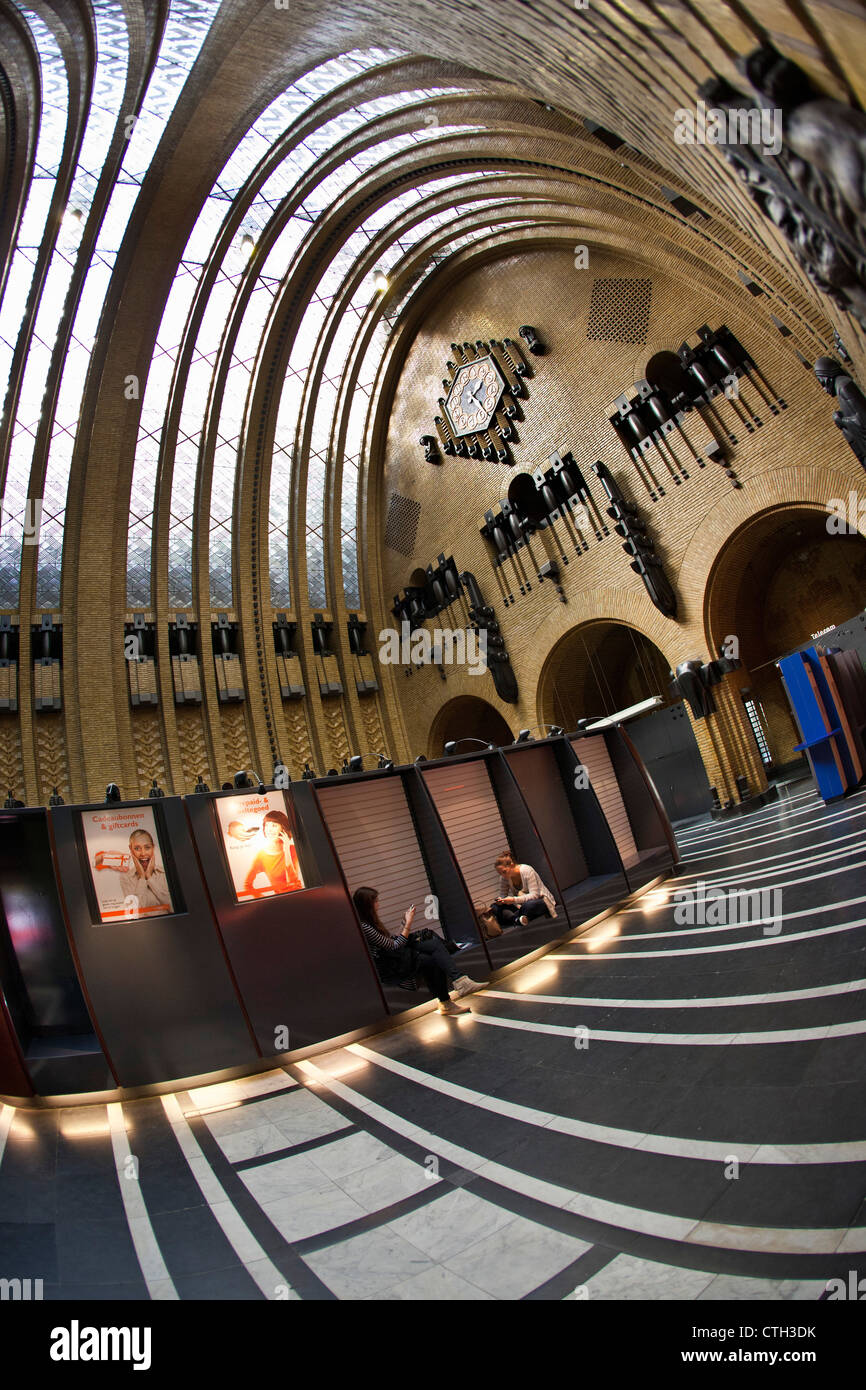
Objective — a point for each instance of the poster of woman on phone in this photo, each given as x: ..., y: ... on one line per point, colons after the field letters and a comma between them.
x: 259, y: 845
x: 126, y: 864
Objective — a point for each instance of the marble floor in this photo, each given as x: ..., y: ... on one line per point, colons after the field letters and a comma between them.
x: 668, y: 1107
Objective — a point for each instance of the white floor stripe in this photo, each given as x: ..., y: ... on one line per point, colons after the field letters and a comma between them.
x: 237, y: 1232
x: 669, y: 1145
x: 719, y: 877
x: 772, y: 1035
x: 586, y: 941
x: 800, y: 1241
x: 153, y: 1267
x: 836, y: 869
x: 780, y: 940
x: 775, y: 811
x: 747, y: 824
x: 847, y: 816
x: 782, y: 996
x: 7, y: 1115
x: 727, y: 872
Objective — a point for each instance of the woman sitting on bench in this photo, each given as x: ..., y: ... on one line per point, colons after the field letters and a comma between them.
x: 528, y: 897
x: 400, y: 957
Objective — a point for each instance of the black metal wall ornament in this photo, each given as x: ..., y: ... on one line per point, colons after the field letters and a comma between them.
x: 850, y: 418
x: 479, y: 408
x: 443, y: 586
x: 651, y: 422
x: 694, y: 680
x: 431, y: 451
x: 631, y: 528
x: 532, y: 340
x: 811, y: 186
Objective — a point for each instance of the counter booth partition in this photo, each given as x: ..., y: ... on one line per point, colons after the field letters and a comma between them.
x: 631, y: 805
x: 484, y: 813
x: 290, y: 933
x: 386, y: 835
x: 148, y: 954
x: 566, y: 813
x: 48, y: 1042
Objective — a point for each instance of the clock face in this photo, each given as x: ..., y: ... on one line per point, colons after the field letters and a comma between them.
x: 475, y: 393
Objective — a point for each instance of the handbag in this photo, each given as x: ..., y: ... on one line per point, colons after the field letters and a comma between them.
x: 487, y: 923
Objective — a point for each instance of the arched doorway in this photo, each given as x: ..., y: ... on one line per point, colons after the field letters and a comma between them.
x: 597, y: 669
x: 602, y: 667
x: 467, y: 716
x: 781, y: 581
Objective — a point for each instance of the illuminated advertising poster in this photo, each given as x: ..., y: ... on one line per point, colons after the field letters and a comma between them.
x: 259, y: 845
x: 126, y: 864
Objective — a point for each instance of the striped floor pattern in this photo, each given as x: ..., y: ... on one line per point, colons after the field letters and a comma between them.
x: 660, y: 1109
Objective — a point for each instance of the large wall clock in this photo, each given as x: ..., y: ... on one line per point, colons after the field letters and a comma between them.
x: 480, y: 406
x: 475, y: 393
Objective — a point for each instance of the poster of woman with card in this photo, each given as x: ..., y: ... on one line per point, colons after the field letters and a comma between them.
x: 259, y: 845
x: 126, y: 864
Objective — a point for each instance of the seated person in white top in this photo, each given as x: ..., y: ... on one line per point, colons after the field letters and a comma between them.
x: 524, y: 897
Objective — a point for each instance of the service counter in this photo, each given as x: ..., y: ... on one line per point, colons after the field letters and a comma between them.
x: 631, y: 805
x: 386, y: 835
x: 149, y: 942
x: 290, y: 933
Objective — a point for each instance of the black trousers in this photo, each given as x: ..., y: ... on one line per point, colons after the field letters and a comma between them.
x: 429, y: 959
x: 507, y: 914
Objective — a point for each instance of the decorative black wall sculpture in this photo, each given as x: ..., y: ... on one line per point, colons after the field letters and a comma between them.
x: 431, y: 452
x: 812, y: 187
x: 636, y: 543
x: 532, y: 340
x: 560, y: 489
x: 443, y: 584
x: 850, y: 418
x: 694, y: 681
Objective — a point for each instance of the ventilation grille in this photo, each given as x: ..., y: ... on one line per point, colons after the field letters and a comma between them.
x: 401, y: 528
x: 619, y: 311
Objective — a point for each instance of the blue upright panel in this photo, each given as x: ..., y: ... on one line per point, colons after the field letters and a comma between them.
x: 823, y: 740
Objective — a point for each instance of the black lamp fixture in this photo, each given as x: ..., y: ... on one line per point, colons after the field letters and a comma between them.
x: 451, y: 747
x: 12, y: 803
x: 525, y: 735
x: 112, y: 793
x: 55, y: 799
x: 355, y: 764
x: 201, y: 785
x: 421, y: 758
x: 155, y: 791
x: 385, y: 763
x: 332, y: 772
x: 241, y: 781
x: 308, y: 774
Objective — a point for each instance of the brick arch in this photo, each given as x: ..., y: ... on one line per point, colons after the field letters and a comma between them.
x: 806, y: 487
x: 467, y: 716
x: 581, y: 651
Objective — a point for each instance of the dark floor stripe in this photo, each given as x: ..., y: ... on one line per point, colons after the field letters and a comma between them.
x: 196, y: 1250
x: 579, y: 1272
x: 372, y: 1220
x: 297, y: 1274
x: 292, y: 1150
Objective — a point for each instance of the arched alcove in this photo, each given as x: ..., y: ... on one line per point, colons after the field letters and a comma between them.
x: 467, y: 716
x: 780, y: 580
x: 597, y: 669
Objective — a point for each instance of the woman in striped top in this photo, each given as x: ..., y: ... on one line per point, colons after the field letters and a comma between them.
x: 398, y: 957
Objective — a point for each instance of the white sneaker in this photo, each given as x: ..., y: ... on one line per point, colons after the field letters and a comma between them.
x: 463, y: 985
x: 446, y: 1007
